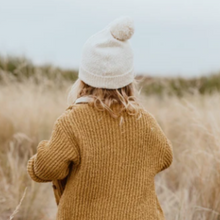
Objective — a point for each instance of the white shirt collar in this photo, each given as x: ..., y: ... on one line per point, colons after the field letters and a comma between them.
x: 83, y: 99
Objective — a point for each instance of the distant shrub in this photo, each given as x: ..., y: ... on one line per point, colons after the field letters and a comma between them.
x: 20, y: 69
x: 180, y: 86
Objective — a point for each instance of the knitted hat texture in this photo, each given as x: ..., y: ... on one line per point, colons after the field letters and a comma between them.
x: 107, y: 56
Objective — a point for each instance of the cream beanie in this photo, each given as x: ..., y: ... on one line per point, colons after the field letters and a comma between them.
x: 107, y: 57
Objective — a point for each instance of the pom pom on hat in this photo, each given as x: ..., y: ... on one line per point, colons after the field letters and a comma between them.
x: 122, y: 28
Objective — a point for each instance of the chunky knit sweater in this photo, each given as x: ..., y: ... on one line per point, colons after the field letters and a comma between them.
x: 110, y: 167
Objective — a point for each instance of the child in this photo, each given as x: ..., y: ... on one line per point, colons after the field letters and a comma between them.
x: 105, y: 147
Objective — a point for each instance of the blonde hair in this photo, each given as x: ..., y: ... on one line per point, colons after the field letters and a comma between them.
x: 115, y: 101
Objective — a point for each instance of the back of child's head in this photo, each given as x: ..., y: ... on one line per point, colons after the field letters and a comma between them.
x: 106, y: 70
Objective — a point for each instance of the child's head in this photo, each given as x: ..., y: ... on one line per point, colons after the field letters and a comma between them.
x: 106, y: 70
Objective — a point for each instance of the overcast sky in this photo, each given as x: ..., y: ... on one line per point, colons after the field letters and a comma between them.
x: 172, y: 37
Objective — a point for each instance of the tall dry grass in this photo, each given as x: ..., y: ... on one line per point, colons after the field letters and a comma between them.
x: 28, y: 111
x: 188, y: 190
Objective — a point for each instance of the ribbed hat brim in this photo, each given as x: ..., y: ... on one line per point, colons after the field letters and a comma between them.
x: 109, y: 82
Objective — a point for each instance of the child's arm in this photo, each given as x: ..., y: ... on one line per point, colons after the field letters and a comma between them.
x: 162, y: 147
x: 166, y: 156
x: 51, y: 162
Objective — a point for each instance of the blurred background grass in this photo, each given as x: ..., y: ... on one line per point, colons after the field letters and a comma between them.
x: 21, y: 68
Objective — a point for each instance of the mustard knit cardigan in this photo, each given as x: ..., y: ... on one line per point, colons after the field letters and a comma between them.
x: 110, y: 169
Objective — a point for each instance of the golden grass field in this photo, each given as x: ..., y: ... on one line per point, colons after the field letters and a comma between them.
x: 188, y: 190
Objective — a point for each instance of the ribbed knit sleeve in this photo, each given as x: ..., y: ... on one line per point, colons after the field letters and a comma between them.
x: 30, y: 169
x: 163, y: 151
x: 53, y: 157
x: 166, y: 156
